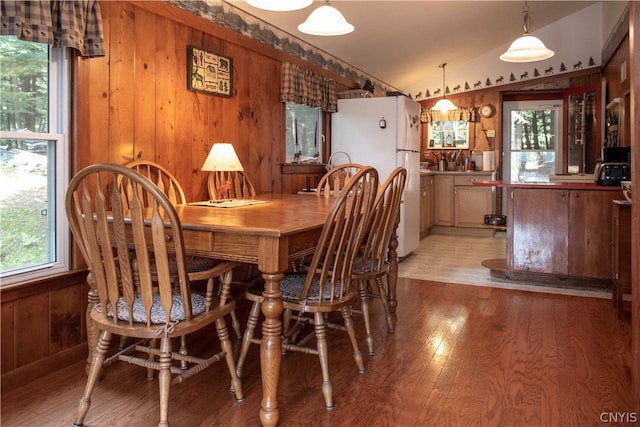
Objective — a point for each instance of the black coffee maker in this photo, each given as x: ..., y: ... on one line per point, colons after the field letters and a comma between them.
x: 614, y: 167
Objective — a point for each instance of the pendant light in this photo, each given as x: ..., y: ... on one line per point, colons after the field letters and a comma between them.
x: 526, y: 48
x: 444, y: 104
x: 279, y: 5
x: 326, y: 21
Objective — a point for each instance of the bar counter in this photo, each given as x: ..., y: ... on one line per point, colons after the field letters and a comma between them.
x: 551, y: 185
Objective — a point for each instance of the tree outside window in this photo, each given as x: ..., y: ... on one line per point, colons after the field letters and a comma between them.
x: 303, y: 133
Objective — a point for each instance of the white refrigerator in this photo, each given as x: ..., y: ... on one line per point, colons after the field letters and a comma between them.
x: 384, y: 132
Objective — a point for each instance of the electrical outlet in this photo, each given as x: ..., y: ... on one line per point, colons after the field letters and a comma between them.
x: 491, y: 133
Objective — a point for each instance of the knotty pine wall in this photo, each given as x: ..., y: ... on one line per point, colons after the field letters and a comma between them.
x: 134, y: 103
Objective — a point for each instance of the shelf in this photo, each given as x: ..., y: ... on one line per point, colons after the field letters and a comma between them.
x: 496, y: 227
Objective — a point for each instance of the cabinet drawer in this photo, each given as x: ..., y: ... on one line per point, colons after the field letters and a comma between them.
x: 470, y: 179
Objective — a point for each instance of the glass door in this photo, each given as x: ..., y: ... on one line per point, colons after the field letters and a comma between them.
x: 532, y: 140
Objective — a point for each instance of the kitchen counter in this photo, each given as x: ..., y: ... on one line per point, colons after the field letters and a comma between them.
x: 465, y: 172
x: 550, y: 185
x: 557, y: 233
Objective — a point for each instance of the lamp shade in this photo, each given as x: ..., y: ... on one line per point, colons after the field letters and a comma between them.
x: 222, y: 157
x: 279, y: 5
x: 443, y: 105
x: 326, y: 21
x: 527, y: 49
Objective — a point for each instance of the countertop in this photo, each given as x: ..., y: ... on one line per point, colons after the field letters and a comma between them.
x: 551, y: 185
x: 465, y: 172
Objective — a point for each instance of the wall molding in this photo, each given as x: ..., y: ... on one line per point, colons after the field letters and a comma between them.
x: 234, y: 19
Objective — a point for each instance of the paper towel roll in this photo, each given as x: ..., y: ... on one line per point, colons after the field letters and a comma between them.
x: 488, y: 161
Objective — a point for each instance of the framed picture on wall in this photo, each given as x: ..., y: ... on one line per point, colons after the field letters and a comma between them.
x: 209, y: 72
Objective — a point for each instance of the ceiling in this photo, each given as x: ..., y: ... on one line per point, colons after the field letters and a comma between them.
x: 402, y: 43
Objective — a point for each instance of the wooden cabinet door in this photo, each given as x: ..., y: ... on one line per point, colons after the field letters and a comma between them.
x: 539, y: 223
x: 443, y: 189
x: 423, y: 206
x: 590, y: 233
x: 426, y: 205
x: 471, y: 205
x: 430, y: 215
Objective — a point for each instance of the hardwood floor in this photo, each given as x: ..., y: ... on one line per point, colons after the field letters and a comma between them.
x: 461, y: 355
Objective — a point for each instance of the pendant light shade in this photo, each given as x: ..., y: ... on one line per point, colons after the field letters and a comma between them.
x: 444, y: 105
x: 279, y: 5
x: 526, y: 48
x: 326, y: 21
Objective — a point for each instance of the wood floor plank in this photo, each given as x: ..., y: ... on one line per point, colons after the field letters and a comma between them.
x: 461, y: 355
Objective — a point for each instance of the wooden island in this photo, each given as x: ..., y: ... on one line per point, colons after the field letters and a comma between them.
x: 557, y: 233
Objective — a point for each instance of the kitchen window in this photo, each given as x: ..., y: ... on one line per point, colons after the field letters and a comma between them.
x: 303, y: 133
x: 33, y: 160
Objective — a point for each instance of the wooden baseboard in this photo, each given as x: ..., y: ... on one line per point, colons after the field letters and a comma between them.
x: 28, y: 373
x: 462, y: 231
x: 499, y: 270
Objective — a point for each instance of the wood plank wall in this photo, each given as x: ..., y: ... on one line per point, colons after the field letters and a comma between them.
x: 139, y: 107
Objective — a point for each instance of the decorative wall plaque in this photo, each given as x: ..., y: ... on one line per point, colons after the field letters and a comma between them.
x: 209, y: 72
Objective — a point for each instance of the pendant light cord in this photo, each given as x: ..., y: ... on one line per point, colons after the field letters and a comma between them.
x: 526, y: 18
x: 444, y: 89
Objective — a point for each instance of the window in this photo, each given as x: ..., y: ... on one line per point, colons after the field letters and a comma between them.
x: 303, y: 141
x: 532, y: 136
x: 33, y: 160
x: 448, y: 134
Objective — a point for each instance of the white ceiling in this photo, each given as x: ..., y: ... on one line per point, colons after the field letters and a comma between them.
x: 401, y: 43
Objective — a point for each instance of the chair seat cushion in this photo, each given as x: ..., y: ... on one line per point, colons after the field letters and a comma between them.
x: 157, y: 313
x: 360, y: 266
x: 194, y: 264
x: 292, y: 284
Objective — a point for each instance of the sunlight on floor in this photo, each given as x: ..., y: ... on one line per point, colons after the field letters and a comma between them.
x: 457, y: 259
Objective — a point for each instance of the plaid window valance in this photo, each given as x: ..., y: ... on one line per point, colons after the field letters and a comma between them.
x: 304, y: 87
x: 64, y: 23
x: 468, y: 114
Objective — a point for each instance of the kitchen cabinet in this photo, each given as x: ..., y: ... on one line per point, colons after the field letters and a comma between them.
x: 458, y: 202
x: 444, y: 197
x: 560, y: 231
x: 621, y: 253
x: 426, y: 204
x: 471, y: 202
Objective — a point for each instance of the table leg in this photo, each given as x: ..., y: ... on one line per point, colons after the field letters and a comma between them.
x: 392, y: 280
x: 271, y: 348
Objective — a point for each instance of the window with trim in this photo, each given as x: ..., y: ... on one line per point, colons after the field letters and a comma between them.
x: 34, y: 88
x: 303, y: 140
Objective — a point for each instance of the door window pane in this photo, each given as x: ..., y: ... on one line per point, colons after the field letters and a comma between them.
x: 533, y: 143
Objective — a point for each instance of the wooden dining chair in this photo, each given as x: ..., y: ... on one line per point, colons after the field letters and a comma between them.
x: 336, y: 179
x: 330, y: 185
x: 371, y: 266
x: 112, y: 232
x: 199, y: 268
x: 229, y: 185
x: 327, y: 285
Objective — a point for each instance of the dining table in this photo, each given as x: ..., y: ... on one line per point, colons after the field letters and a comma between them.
x: 270, y: 231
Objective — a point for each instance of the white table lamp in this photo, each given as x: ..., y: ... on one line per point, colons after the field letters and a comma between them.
x: 222, y: 157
